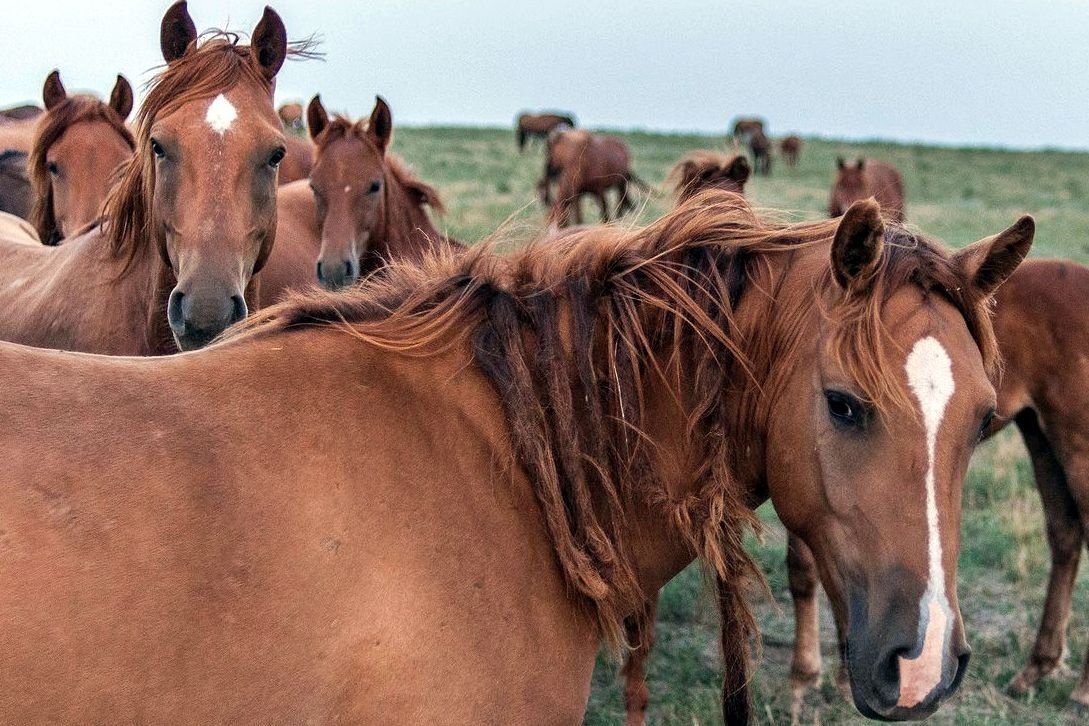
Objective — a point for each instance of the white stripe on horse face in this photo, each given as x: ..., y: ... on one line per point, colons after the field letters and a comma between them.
x: 930, y: 376
x: 221, y: 114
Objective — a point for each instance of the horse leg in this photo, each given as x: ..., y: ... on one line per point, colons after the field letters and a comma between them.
x: 640, y: 630
x: 1065, y: 537
x: 805, y: 667
x: 604, y: 204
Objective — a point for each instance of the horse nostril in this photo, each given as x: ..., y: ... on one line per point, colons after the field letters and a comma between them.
x: 240, y: 310
x: 320, y: 276
x: 962, y: 668
x: 175, y: 316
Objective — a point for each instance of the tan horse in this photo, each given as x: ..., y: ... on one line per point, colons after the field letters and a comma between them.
x: 79, y: 146
x: 365, y: 207
x: 191, y: 220
x: 1042, y: 329
x: 539, y: 125
x: 867, y: 178
x: 579, y: 162
x: 537, y: 443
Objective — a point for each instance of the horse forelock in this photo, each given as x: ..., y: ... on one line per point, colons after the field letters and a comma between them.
x: 569, y: 332
x: 52, y: 125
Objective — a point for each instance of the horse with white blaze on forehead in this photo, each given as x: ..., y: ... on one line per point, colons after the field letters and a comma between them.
x: 621, y: 399
x: 190, y: 222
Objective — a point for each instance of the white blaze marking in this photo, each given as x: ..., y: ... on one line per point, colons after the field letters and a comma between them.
x: 930, y: 375
x: 221, y: 114
x: 347, y: 188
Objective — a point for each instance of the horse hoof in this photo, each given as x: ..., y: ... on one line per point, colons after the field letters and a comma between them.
x: 1020, y: 686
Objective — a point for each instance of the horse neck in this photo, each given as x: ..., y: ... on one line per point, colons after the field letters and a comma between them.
x: 405, y: 229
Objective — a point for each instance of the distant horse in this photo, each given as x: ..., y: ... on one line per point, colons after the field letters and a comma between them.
x: 760, y: 147
x: 15, y: 195
x: 191, y: 220
x: 620, y: 400
x: 361, y: 208
x: 867, y: 178
x: 292, y: 116
x: 534, y: 125
x: 745, y: 127
x: 791, y: 149
x: 702, y: 170
x: 580, y: 162
x: 20, y: 113
x: 79, y: 146
x: 1042, y: 328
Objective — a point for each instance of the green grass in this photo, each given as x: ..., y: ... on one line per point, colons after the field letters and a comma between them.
x: 957, y: 195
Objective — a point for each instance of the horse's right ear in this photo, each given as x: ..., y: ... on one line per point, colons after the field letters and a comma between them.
x: 269, y: 43
x: 739, y: 170
x: 121, y: 97
x: 856, y: 248
x: 988, y: 263
x: 177, y: 32
x: 53, y: 93
x: 840, y: 163
x: 316, y: 117
x: 380, y: 127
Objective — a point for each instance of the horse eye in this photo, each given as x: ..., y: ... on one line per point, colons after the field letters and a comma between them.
x: 845, y: 410
x: 157, y: 149
x: 52, y: 168
x: 375, y: 186
x: 277, y: 157
x: 986, y: 424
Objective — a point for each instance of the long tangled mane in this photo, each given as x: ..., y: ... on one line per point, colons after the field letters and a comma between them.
x: 53, y: 124
x: 572, y: 332
x: 419, y: 191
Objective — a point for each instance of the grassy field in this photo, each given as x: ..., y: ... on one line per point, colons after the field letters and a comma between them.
x: 958, y: 195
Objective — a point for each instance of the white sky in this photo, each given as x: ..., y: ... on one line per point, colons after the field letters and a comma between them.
x: 992, y: 72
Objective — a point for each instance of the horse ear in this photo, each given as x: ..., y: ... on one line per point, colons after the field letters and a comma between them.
x: 739, y: 169
x: 856, y: 248
x: 121, y: 97
x: 861, y: 163
x: 316, y: 117
x: 269, y: 43
x: 53, y: 92
x: 177, y: 32
x: 986, y: 264
x: 380, y: 127
x: 840, y: 163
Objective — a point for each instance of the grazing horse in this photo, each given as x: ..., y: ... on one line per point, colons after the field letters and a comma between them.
x: 80, y: 144
x: 15, y: 195
x: 745, y: 127
x: 760, y: 147
x: 700, y: 170
x: 620, y: 398
x: 791, y: 149
x: 580, y: 162
x: 867, y: 178
x: 191, y: 220
x: 361, y: 208
x: 540, y: 125
x: 1042, y: 329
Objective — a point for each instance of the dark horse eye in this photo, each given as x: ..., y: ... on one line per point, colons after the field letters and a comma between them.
x: 375, y: 186
x: 845, y: 410
x: 157, y: 149
x: 987, y: 420
x: 277, y: 157
x: 51, y: 167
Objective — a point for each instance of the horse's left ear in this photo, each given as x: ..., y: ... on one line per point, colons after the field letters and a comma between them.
x: 986, y: 264
x: 177, y: 32
x: 380, y: 127
x: 121, y: 97
x: 316, y: 117
x: 739, y: 169
x: 856, y: 248
x: 53, y: 93
x: 269, y: 43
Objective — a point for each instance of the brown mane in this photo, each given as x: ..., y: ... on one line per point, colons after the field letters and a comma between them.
x: 53, y: 124
x: 216, y: 65
x: 696, y: 164
x: 569, y: 331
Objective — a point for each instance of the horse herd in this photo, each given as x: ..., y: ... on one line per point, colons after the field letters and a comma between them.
x: 397, y: 479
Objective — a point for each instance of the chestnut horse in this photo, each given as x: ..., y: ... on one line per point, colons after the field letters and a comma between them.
x: 361, y: 208
x: 700, y: 170
x: 791, y: 149
x: 539, y: 125
x: 580, y: 162
x: 1042, y: 328
x: 619, y: 400
x: 192, y: 218
x: 867, y: 178
x: 760, y: 147
x: 298, y: 161
x: 80, y: 144
x: 292, y: 116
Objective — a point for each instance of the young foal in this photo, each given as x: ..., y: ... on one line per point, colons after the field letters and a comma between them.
x: 618, y: 399
x: 77, y: 150
x: 191, y: 220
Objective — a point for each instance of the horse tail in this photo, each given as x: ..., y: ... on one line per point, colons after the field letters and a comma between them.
x: 638, y: 182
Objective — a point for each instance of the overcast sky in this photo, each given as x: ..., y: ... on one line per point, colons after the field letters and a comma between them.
x: 991, y: 72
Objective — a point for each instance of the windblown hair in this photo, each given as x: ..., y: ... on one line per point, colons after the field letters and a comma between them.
x: 52, y: 125
x: 701, y: 169
x: 573, y: 333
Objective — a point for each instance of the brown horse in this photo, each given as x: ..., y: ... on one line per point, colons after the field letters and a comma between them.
x: 745, y: 127
x: 702, y: 170
x: 80, y: 144
x: 867, y: 178
x: 15, y: 195
x: 580, y: 162
x: 292, y: 116
x: 760, y: 148
x: 1042, y: 329
x: 791, y: 149
x: 364, y: 208
x: 619, y: 399
x: 539, y: 125
x: 191, y: 220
